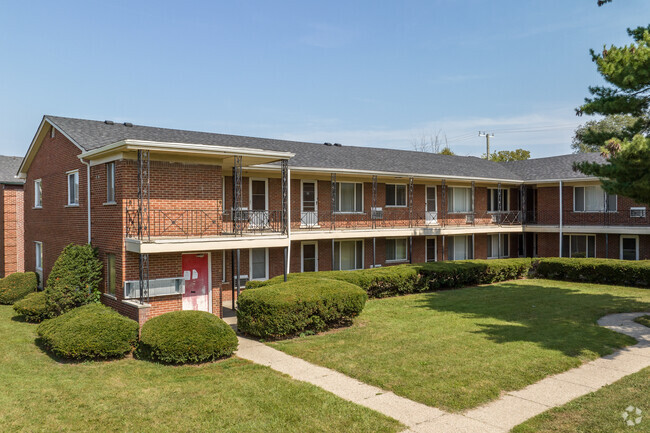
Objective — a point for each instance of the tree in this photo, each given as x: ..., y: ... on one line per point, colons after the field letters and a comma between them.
x: 627, y: 70
x: 434, y: 143
x: 508, y: 155
x: 593, y: 135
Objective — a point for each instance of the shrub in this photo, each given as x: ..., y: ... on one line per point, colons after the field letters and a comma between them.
x: 90, y: 332
x: 301, y: 304
x: 598, y: 271
x: 449, y: 275
x: 32, y: 307
x: 377, y: 282
x: 74, y: 279
x: 183, y: 337
x: 16, y: 286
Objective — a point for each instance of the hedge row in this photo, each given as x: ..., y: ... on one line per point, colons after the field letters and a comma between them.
x: 597, y: 271
x: 450, y: 275
x: 33, y: 307
x: 89, y: 332
x: 301, y: 304
x: 183, y: 337
x: 16, y: 286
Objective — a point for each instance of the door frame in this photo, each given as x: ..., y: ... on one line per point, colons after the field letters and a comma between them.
x: 426, y: 204
x: 266, y: 192
x: 302, y: 254
x: 209, y: 254
x: 315, y: 182
x: 620, y: 249
x: 435, y: 248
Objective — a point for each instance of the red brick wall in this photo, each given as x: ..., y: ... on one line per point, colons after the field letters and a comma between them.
x: 55, y: 225
x: 13, y: 229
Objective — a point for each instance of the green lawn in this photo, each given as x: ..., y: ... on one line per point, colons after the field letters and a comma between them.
x: 600, y: 411
x: 458, y: 349
x: 40, y: 394
x: 644, y: 320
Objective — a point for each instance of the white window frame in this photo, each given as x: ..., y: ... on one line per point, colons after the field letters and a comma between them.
x: 250, y: 264
x: 406, y: 250
x: 584, y: 195
x: 451, y: 191
x: 110, y: 186
x: 469, y: 254
x: 506, y: 203
x: 38, y: 194
x: 338, y: 197
x: 636, y: 237
x: 266, y: 192
x: 406, y: 199
x: 363, y: 253
x: 586, y: 235
x: 38, y: 248
x: 302, y: 255
x: 74, y: 173
x: 503, y: 243
x: 435, y: 248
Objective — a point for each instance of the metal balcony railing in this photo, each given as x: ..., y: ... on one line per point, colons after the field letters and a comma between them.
x: 571, y: 218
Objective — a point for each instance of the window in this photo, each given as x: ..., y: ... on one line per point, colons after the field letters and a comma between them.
x: 493, y: 246
x: 395, y: 195
x: 493, y: 200
x: 579, y: 246
x: 396, y: 250
x: 157, y: 287
x: 460, y: 200
x: 431, y: 252
x: 349, y: 197
x: 461, y: 248
x: 73, y: 188
x: 348, y: 255
x: 110, y: 182
x: 309, y: 257
x: 629, y: 248
x: 259, y: 263
x: 110, y: 274
x: 38, y: 194
x: 592, y: 199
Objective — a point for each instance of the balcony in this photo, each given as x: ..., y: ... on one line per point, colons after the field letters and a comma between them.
x: 202, y: 223
x: 634, y: 217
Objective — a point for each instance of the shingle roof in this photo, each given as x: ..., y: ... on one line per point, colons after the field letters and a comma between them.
x: 8, y: 167
x: 91, y: 134
x: 552, y: 168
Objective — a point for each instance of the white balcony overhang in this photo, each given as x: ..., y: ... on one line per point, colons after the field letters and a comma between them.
x: 157, y: 246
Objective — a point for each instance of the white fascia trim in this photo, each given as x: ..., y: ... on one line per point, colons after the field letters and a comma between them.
x: 22, y: 174
x: 185, y: 147
x: 579, y: 179
x: 388, y: 173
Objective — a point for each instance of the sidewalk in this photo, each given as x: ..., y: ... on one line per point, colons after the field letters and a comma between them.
x: 498, y: 416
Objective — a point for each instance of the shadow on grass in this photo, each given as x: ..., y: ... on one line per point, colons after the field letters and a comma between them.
x: 552, y: 317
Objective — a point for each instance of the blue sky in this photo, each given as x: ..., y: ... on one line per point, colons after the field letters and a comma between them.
x: 362, y: 73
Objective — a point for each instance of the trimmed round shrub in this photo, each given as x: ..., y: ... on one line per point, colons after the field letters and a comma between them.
x: 301, y: 304
x: 74, y: 280
x: 33, y: 307
x: 182, y: 337
x: 93, y: 331
x: 16, y: 286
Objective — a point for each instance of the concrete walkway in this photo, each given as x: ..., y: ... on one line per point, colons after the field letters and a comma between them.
x: 500, y: 415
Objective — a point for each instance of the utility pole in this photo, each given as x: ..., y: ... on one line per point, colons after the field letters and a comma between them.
x: 487, y: 141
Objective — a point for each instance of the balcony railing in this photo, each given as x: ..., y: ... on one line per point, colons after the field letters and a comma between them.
x: 634, y: 217
x: 199, y: 223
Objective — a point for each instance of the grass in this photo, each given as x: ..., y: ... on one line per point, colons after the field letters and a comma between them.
x: 643, y: 320
x: 458, y: 349
x: 600, y: 411
x: 40, y: 394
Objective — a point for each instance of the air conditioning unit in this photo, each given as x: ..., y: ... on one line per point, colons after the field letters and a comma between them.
x: 243, y: 279
x: 241, y: 215
x: 469, y: 218
x: 377, y: 213
x: 495, y: 218
x: 637, y: 212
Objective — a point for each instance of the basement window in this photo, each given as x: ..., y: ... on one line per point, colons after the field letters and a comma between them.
x: 158, y: 287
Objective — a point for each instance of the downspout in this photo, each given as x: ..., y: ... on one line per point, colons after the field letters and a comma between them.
x: 288, y: 251
x: 87, y: 164
x: 561, y: 212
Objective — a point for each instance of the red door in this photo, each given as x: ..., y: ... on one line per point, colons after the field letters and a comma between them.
x: 196, y: 275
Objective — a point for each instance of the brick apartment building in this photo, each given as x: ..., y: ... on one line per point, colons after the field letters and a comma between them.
x: 176, y: 214
x: 12, y: 228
